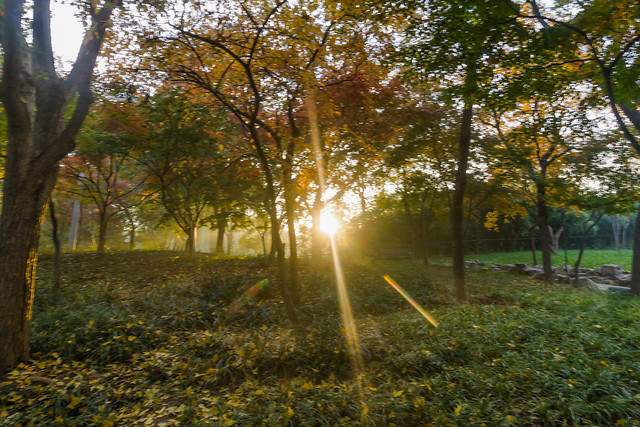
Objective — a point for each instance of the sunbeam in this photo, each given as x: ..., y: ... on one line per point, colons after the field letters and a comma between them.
x: 411, y: 301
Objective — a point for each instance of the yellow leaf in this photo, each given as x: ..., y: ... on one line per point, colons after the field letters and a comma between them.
x: 365, y: 410
x: 307, y: 386
x: 456, y: 411
x: 75, y: 400
x: 511, y: 418
x: 131, y: 338
x: 397, y: 393
x: 289, y: 412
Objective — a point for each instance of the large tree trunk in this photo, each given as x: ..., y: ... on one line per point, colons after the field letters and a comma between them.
x: 220, y: 240
x: 23, y: 211
x: 457, y: 208
x: 35, y: 145
x: 190, y: 246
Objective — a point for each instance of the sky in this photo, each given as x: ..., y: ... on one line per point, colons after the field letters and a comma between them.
x: 66, y: 32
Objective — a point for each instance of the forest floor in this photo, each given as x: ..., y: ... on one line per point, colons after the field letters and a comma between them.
x: 153, y: 338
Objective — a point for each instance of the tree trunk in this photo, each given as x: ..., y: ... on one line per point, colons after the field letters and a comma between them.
x: 23, y: 210
x: 316, y: 234
x: 57, y: 275
x: 220, y: 240
x: 635, y: 269
x: 415, y: 226
x: 532, y: 238
x: 615, y: 225
x: 132, y: 236
x: 102, y: 232
x: 190, y: 246
x: 543, y: 226
x: 625, y: 229
x: 276, y: 243
x: 457, y: 207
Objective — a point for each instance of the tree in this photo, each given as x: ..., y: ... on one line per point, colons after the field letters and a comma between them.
x: 456, y: 44
x: 184, y: 147
x: 601, y: 41
x: 107, y: 176
x: 39, y: 135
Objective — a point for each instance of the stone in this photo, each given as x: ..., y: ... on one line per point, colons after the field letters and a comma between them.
x: 611, y: 270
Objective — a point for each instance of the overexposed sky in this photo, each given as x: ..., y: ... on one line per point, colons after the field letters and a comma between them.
x: 66, y: 33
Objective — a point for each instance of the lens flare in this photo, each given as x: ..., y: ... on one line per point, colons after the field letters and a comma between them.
x: 411, y: 301
x: 329, y: 224
x: 348, y: 322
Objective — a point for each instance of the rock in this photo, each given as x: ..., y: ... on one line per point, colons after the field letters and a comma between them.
x: 611, y: 270
x: 620, y: 289
x: 534, y: 272
x: 586, y: 283
x: 506, y: 267
x: 623, y: 280
x: 519, y: 267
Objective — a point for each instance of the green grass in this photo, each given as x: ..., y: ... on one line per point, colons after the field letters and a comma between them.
x: 153, y: 338
x: 591, y: 258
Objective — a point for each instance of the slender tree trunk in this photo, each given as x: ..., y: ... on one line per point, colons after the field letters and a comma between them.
x: 415, y: 227
x: 57, y: 275
x: 532, y: 238
x: 132, y: 236
x: 543, y: 226
x: 316, y: 235
x: 625, y: 229
x: 615, y: 225
x: 635, y: 269
x: 293, y: 245
x: 102, y: 232
x: 276, y: 243
x: 457, y: 207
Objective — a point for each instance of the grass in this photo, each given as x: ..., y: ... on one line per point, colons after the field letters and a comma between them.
x: 591, y: 258
x: 151, y: 338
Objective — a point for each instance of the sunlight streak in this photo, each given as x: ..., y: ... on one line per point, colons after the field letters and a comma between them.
x: 351, y: 334
x: 411, y: 301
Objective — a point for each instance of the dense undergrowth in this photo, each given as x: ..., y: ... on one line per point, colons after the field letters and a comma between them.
x: 151, y: 338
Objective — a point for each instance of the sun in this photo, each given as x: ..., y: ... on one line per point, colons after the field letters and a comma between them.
x: 329, y: 223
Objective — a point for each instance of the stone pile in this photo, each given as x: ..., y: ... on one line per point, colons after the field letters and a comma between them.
x: 609, y: 277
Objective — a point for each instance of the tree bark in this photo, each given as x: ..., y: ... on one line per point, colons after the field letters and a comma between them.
x: 57, y: 275
x: 635, y: 268
x: 316, y: 235
x: 190, y: 246
x: 615, y: 225
x: 457, y: 207
x: 102, y: 231
x: 543, y: 226
x: 532, y: 239
x: 220, y: 240
x: 290, y: 207
x: 35, y: 145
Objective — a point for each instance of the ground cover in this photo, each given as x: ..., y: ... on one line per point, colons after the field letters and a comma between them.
x: 591, y: 258
x: 151, y: 338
